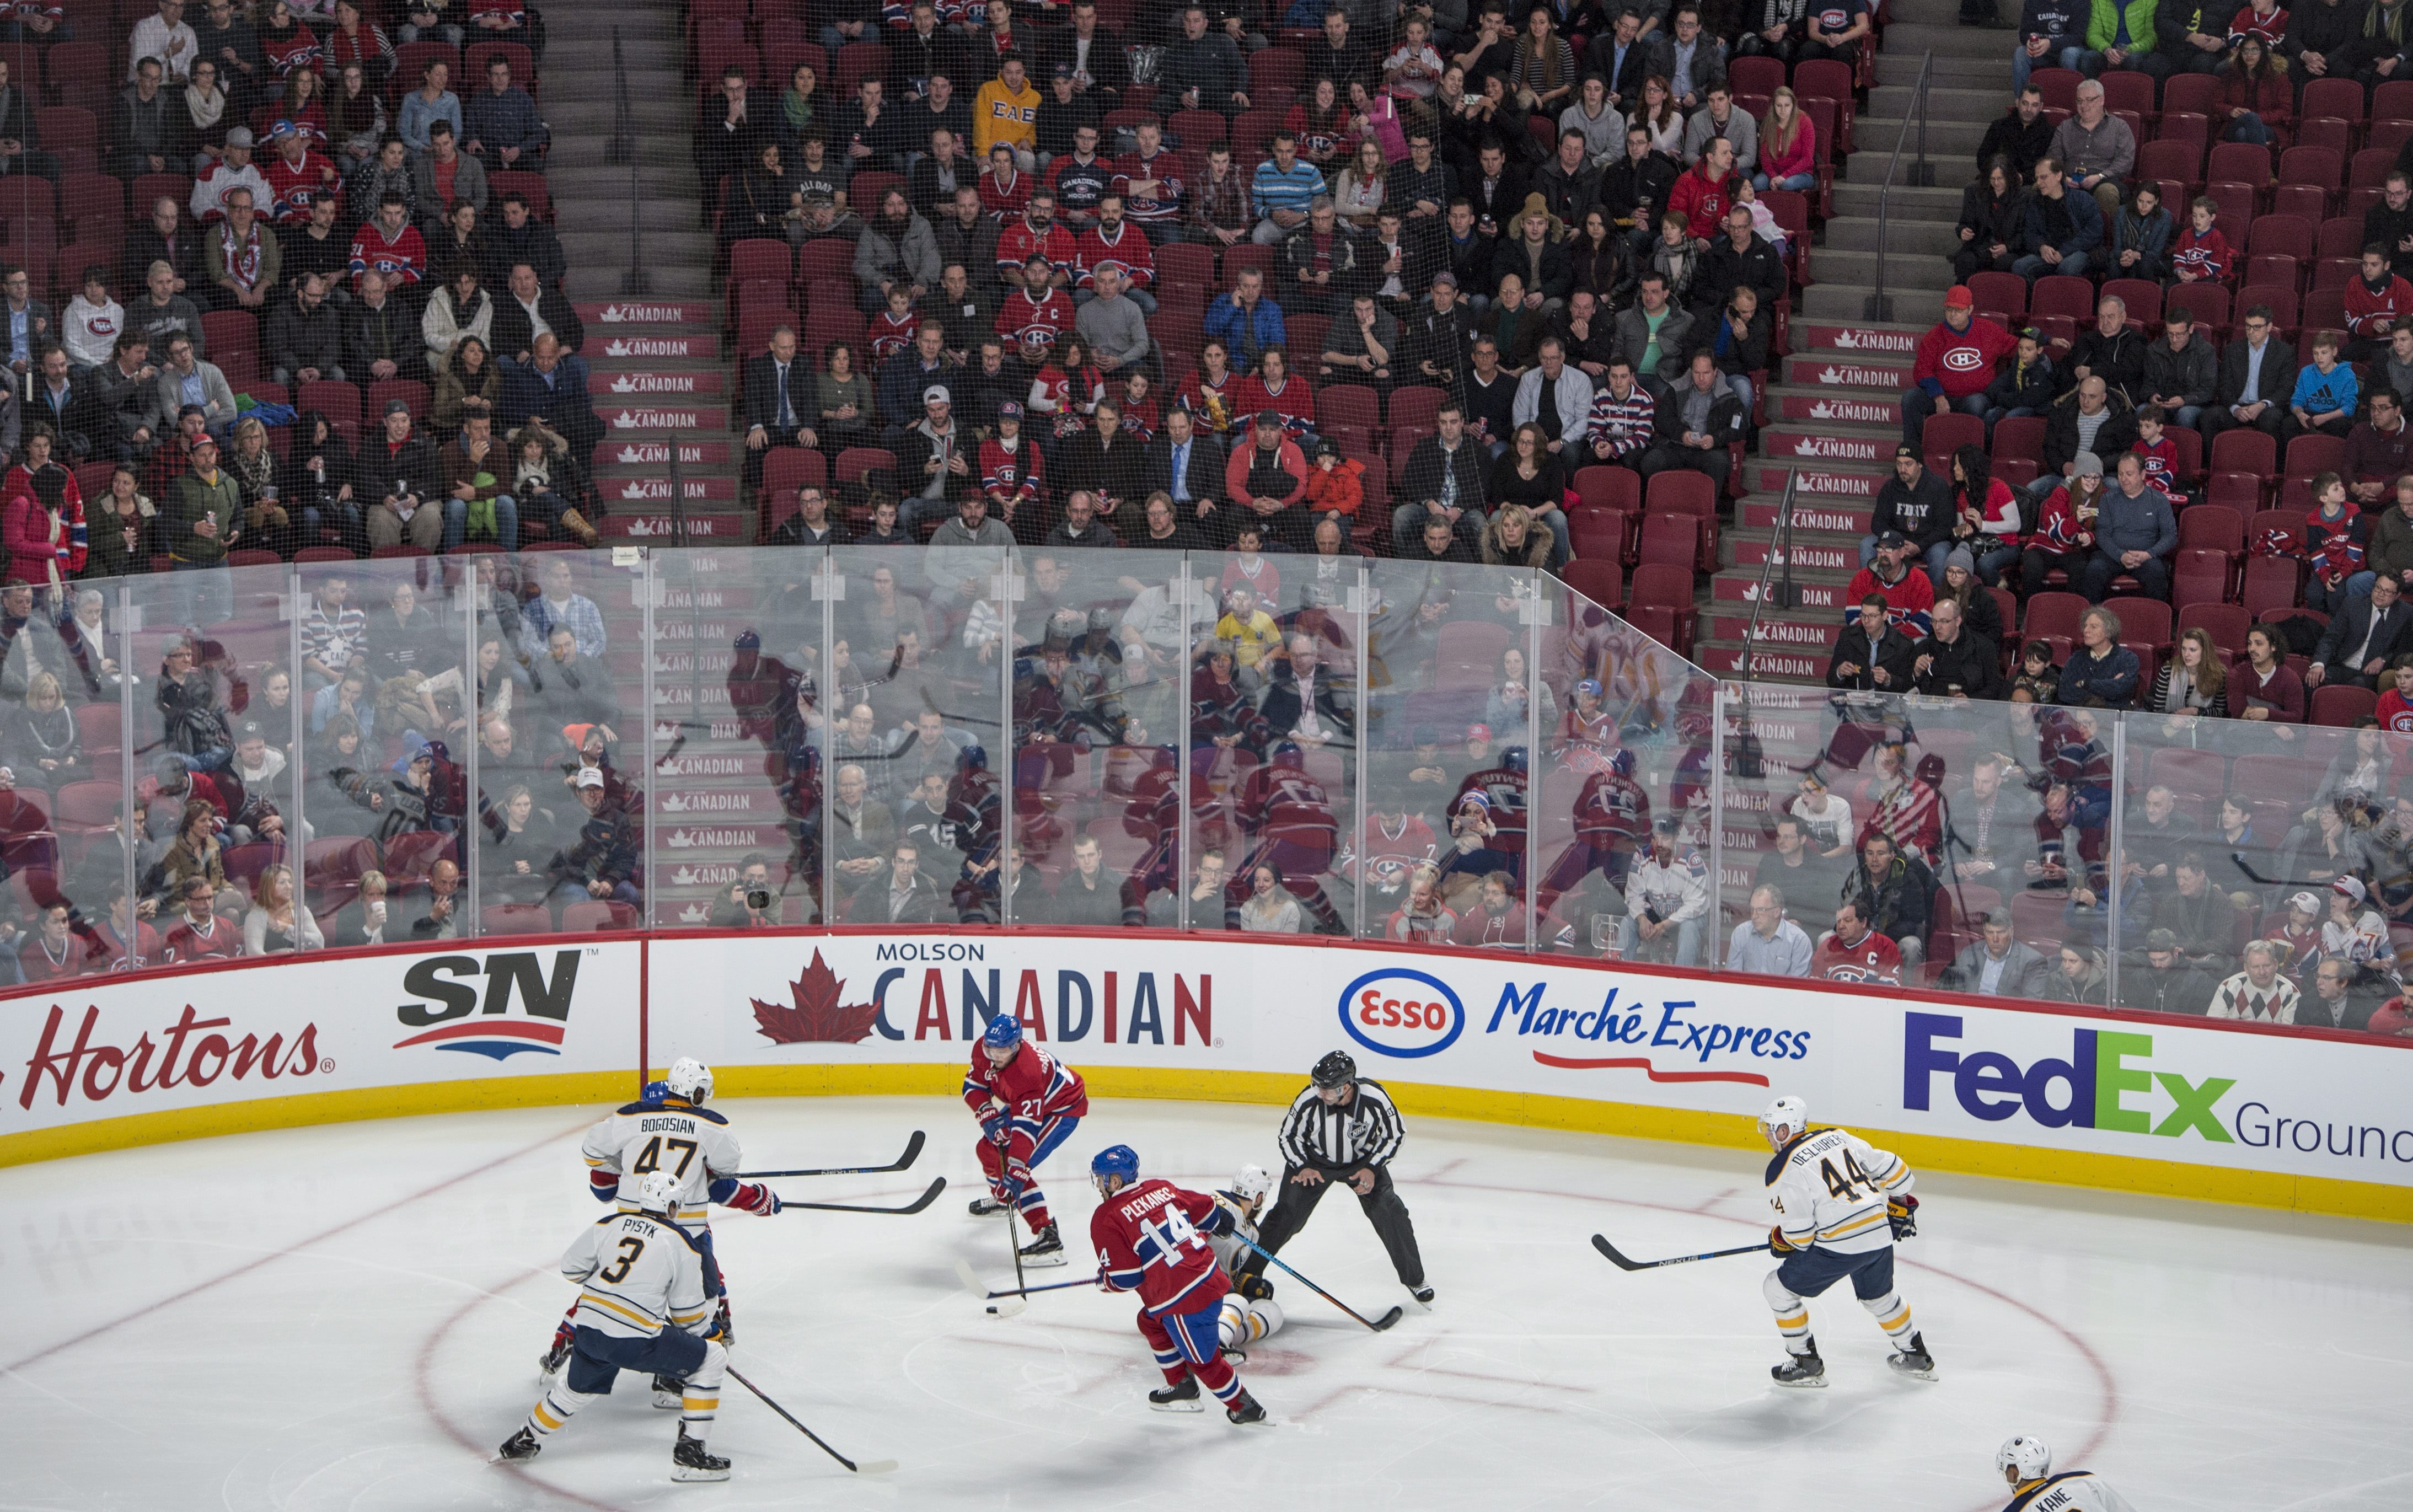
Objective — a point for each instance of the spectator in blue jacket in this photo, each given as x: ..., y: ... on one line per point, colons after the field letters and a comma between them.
x: 2135, y: 534
x: 2327, y: 390
x: 504, y: 130
x: 1245, y: 322
x: 2102, y: 673
x: 2064, y: 231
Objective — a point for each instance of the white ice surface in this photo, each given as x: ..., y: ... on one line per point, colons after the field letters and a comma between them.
x: 348, y: 1317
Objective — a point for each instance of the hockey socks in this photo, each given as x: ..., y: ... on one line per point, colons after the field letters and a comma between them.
x: 1792, y: 1315
x: 1892, y: 1315
x: 700, y: 1395
x: 556, y: 1408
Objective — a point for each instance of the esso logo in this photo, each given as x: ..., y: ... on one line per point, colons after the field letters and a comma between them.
x: 1960, y: 358
x: 1401, y: 1013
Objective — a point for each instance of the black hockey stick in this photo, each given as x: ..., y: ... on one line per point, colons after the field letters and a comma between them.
x: 1378, y: 1324
x: 937, y: 1184
x: 912, y: 1153
x: 973, y: 1283
x: 868, y: 1467
x: 1621, y: 1263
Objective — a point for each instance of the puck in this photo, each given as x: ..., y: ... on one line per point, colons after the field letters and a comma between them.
x: 992, y: 1309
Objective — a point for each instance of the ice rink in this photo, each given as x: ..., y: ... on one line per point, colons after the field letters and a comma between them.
x: 349, y: 1316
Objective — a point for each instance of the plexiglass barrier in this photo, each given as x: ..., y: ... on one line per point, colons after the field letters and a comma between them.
x: 261, y: 759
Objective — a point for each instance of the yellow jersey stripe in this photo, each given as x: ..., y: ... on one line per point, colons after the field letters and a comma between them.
x: 1847, y: 1230
x: 684, y: 1318
x: 544, y: 1419
x: 618, y: 1309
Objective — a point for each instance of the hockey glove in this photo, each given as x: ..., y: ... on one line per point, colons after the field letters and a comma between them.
x: 1902, y: 1213
x: 1253, y: 1287
x: 604, y: 1186
x: 1776, y: 1241
x: 995, y: 1128
x: 756, y: 1198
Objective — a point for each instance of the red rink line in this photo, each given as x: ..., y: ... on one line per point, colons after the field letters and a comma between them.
x: 247, y: 1267
x: 2110, y: 1388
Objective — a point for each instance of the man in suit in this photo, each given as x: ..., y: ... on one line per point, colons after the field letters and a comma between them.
x: 1188, y: 463
x: 2258, y: 373
x: 904, y: 895
x: 1998, y: 965
x: 20, y: 143
x: 778, y: 401
x: 1621, y: 57
x: 1693, y: 62
x: 1306, y: 702
x: 2362, y: 638
x: 529, y: 305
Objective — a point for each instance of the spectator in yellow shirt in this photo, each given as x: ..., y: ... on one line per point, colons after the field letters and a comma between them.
x: 1252, y: 632
x: 1006, y: 110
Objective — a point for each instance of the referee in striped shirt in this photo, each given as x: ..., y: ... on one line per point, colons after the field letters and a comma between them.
x: 1341, y: 1129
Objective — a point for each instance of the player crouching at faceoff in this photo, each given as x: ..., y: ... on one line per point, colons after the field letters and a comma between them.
x: 2025, y: 1465
x: 669, y: 1129
x: 1028, y: 1104
x: 1840, y: 1203
x: 645, y: 1304
x: 1152, y: 1237
x: 1248, y: 1311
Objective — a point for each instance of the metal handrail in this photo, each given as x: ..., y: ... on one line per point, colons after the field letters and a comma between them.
x: 1879, y: 305
x: 1788, y: 592
x: 636, y: 282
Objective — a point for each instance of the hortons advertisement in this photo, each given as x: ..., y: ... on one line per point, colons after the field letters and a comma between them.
x: 101, y: 1048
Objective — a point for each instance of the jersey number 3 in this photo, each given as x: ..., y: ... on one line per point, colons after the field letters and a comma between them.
x: 618, y: 1271
x: 1172, y: 1233
x: 652, y: 1158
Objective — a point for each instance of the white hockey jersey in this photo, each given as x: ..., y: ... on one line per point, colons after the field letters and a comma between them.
x: 691, y: 1143
x: 2072, y: 1490
x: 639, y: 1276
x: 1229, y: 1250
x: 1829, y: 1189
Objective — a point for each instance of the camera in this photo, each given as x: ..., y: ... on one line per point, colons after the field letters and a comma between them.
x: 758, y: 898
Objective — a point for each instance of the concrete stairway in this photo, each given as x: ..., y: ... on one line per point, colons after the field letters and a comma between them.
x: 659, y: 371
x: 1832, y: 406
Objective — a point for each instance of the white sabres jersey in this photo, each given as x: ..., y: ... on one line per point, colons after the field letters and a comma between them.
x: 2072, y: 1490
x: 639, y: 1276
x: 1229, y: 1250
x: 691, y: 1143
x: 1829, y: 1189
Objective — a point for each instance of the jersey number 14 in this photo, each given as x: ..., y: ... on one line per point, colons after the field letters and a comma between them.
x: 1172, y: 1233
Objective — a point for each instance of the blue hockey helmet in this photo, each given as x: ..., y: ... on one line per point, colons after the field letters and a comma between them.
x: 1622, y: 762
x: 1120, y: 1162
x: 654, y: 1091
x: 1004, y: 1032
x: 973, y: 759
x: 1514, y: 759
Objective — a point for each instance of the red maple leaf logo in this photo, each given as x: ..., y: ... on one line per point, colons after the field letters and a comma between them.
x: 814, y: 1012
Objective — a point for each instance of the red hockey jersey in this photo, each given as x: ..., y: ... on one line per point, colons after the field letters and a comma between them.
x: 1017, y: 244
x: 1962, y: 362
x: 1875, y: 958
x: 2369, y: 312
x: 1034, y: 1086
x: 1151, y: 1238
x: 1908, y: 600
x: 1020, y: 315
x: 1128, y: 252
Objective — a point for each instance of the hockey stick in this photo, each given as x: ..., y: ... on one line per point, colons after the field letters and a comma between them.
x: 1377, y: 1325
x: 1621, y: 1263
x: 912, y: 1153
x: 964, y: 1270
x: 868, y: 1467
x: 937, y: 1184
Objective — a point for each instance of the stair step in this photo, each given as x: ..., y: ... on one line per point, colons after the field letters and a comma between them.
x: 1822, y: 483
x: 583, y: 151
x: 1951, y: 73
x: 651, y: 111
x: 1857, y: 338
x: 1846, y: 299
x: 1808, y: 555
x: 622, y: 418
x: 628, y: 388
x: 1908, y: 202
x: 1910, y: 38
x: 655, y: 455
x: 603, y: 283
x: 1948, y: 142
x: 1825, y: 444
x: 1917, y: 232
x: 646, y: 314
x: 1895, y: 103
x: 1902, y: 270
x: 1829, y: 409
x: 655, y: 180
x: 1766, y: 664
x: 1774, y: 629
x: 641, y: 491
x: 1814, y: 515
x: 1848, y: 370
x: 656, y: 525
x: 627, y: 351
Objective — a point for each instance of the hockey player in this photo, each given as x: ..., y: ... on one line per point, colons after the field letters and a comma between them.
x: 2026, y: 1467
x: 1154, y: 1239
x: 1249, y: 1312
x: 670, y: 1128
x: 645, y: 1303
x: 1840, y: 1204
x: 1028, y: 1104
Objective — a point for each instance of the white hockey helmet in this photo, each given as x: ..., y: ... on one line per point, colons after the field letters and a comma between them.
x: 2024, y: 1457
x: 1784, y: 1119
x: 658, y: 1193
x: 689, y: 1078
x: 1252, y: 1182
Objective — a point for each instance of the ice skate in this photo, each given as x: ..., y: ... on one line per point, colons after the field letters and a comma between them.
x: 1178, y: 1398
x: 520, y: 1446
x: 986, y: 1207
x: 1804, y: 1370
x: 1046, y: 1249
x: 1245, y: 1410
x: 1913, y: 1360
x: 690, y: 1461
x: 1424, y: 1295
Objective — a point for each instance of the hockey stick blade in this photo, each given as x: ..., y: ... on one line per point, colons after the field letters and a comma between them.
x: 1387, y: 1319
x: 937, y: 1184
x: 868, y: 1467
x: 904, y: 1162
x: 1621, y: 1263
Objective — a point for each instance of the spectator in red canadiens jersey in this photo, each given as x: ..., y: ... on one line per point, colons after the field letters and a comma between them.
x: 1028, y: 1104
x: 1115, y: 243
x: 1274, y: 390
x: 1079, y: 179
x: 2201, y: 254
x: 1036, y: 236
x: 1036, y: 312
x: 1151, y: 1238
x: 1954, y: 365
x: 1908, y: 595
x: 1855, y: 952
x: 295, y: 175
x: 1005, y: 190
x: 1150, y: 181
x: 2374, y: 301
x: 390, y: 245
x: 2395, y: 711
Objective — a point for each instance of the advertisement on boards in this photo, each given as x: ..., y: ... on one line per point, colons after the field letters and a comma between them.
x: 109, y: 1046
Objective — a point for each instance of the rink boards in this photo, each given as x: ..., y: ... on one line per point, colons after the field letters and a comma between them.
x: 2135, y: 1103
